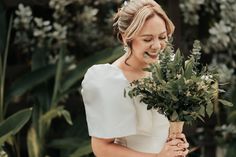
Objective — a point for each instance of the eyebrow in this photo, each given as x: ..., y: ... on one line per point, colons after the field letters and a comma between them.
x: 143, y: 35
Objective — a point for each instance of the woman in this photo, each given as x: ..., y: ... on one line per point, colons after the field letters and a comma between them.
x: 120, y: 126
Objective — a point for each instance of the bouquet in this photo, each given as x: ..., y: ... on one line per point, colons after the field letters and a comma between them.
x: 181, y: 89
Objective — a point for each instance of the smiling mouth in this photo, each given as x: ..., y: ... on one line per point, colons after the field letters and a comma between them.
x: 150, y: 55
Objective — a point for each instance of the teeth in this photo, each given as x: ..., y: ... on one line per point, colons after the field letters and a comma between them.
x: 151, y: 54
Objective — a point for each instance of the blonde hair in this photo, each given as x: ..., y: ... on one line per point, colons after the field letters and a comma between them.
x: 129, y: 20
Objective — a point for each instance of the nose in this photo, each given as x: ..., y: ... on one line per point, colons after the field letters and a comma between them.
x: 156, y: 45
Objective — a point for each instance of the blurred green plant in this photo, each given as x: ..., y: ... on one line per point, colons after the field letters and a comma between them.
x: 54, y: 71
x: 220, y: 25
x: 86, y: 24
x: 226, y: 137
x: 215, y: 26
x: 190, y: 9
x: 9, y: 126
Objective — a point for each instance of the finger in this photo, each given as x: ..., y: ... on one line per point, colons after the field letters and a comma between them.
x: 174, y: 142
x: 175, y: 148
x: 179, y: 153
x: 185, y: 152
x: 183, y: 145
x: 181, y: 136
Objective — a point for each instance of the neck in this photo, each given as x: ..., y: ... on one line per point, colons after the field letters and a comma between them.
x: 132, y: 64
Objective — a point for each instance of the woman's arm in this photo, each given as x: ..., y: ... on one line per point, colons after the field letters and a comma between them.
x: 107, y: 148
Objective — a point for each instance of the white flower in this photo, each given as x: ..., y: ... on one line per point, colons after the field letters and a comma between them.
x: 172, y: 57
x: 220, y: 34
x: 24, y: 17
x: 23, y: 11
x: 3, y: 154
x: 205, y: 77
x: 69, y: 59
x: 60, y: 31
x: 37, y: 33
x: 42, y: 28
x: 38, y: 21
x: 189, y: 9
x: 178, y: 76
x: 188, y: 94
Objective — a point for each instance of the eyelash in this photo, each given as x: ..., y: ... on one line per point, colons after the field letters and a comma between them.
x: 148, y: 40
x: 162, y: 38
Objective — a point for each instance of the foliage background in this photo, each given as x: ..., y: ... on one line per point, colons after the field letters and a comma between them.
x: 85, y: 30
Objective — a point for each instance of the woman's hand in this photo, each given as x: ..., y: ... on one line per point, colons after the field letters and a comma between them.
x: 184, y: 145
x: 175, y: 146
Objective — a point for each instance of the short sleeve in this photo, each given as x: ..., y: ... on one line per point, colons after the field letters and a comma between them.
x: 109, y: 114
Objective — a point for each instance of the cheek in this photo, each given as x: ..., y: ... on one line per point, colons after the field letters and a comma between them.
x: 163, y: 45
x: 140, y: 46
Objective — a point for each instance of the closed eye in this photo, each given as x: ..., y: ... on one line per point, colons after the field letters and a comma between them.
x: 162, y: 38
x: 147, y: 40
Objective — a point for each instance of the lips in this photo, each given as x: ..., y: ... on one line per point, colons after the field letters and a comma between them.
x: 151, y: 55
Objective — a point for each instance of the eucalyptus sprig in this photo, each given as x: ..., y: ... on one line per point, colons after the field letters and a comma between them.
x: 179, y: 88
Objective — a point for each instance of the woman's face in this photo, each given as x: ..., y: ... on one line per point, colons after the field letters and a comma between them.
x: 148, y: 43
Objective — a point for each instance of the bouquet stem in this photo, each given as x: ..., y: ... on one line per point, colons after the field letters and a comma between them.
x: 176, y: 127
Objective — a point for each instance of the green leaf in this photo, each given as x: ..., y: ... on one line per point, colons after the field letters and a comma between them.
x: 232, y: 117
x: 200, y: 117
x: 230, y: 147
x: 178, y: 56
x: 188, y: 68
x: 58, y: 76
x: 225, y: 102
x: 3, y: 24
x: 33, y: 143
x: 174, y: 116
x: 67, y: 117
x: 173, y: 97
x: 149, y: 107
x: 3, y: 62
x: 209, y: 108
x: 29, y: 81
x: 83, y: 149
x: 157, y: 74
x: 5, y: 137
x: 53, y: 113
x: 15, y: 122
x: 66, y: 143
x: 202, y: 111
x: 188, y: 118
x: 75, y: 137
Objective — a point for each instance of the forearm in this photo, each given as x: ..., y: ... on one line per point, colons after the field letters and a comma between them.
x: 115, y: 150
